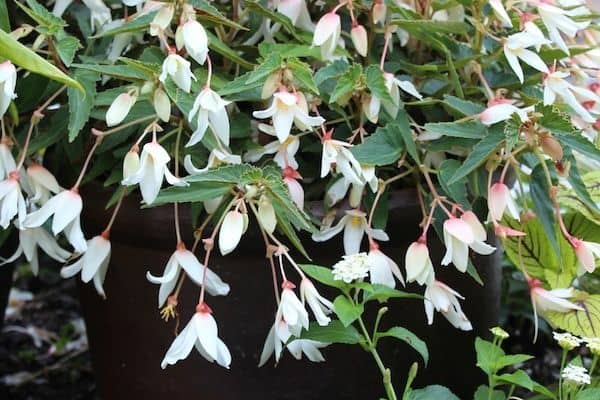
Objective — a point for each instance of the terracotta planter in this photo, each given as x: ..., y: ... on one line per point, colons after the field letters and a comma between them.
x: 128, y: 339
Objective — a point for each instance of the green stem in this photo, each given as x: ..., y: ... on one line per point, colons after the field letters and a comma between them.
x: 560, y: 379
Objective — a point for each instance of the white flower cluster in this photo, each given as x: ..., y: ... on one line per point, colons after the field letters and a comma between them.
x: 566, y: 340
x: 576, y: 374
x: 352, y: 267
x: 593, y: 344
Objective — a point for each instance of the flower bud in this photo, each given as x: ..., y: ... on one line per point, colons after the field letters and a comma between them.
x: 271, y: 85
x: 359, y: 39
x: 499, y: 332
x: 498, y: 195
x: 162, y: 19
x: 266, y: 214
x: 162, y: 105
x: 231, y: 231
x: 379, y: 12
x: 418, y: 264
x: 371, y: 106
x: 131, y: 163
x: 551, y: 147
x: 119, y: 108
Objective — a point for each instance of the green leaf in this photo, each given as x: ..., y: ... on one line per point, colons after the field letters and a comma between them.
x: 81, y: 103
x: 40, y: 14
x: 584, y: 323
x: 335, y: 332
x: 346, y: 310
x: 512, y: 359
x: 407, y: 136
x: 227, y: 174
x: 383, y: 293
x: 465, y: 129
x: 409, y: 338
x: 4, y: 20
x: 483, y: 393
x: 274, y: 16
x: 124, y: 72
x: 412, y: 25
x: 346, y: 82
x: 457, y: 191
x: 464, y: 107
x: 331, y: 71
x: 376, y: 83
x: 303, y: 74
x: 542, y: 204
x: 569, y: 198
x: 138, y: 24
x: 209, y: 13
x: 481, y: 151
x: 538, y: 259
x: 22, y: 56
x: 195, y: 192
x: 432, y: 392
x: 519, y: 378
x: 383, y: 147
x: 66, y: 47
x: 578, y: 185
x: 260, y: 73
x: 214, y: 43
x: 579, y: 143
x: 321, y: 274
x: 150, y: 69
x: 589, y: 394
x: 488, y: 355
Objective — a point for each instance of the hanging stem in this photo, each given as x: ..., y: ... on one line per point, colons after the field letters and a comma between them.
x: 176, y: 204
x: 87, y: 163
x: 114, y: 214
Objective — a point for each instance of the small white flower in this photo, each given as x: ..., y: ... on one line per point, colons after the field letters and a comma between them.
x: 371, y: 105
x: 319, y: 305
x: 201, y: 332
x: 419, y: 267
x: 500, y: 12
x: 442, y: 298
x: 162, y: 105
x: 576, y: 375
x: 8, y: 81
x: 210, y: 108
x: 120, y: 107
x: 587, y: 253
x: 292, y: 311
x: 193, y: 36
x: 287, y: 109
x: 186, y: 260
x: 555, y: 86
x: 162, y: 19
x: 7, y: 162
x: 131, y: 163
x: 178, y: 68
x: 327, y: 34
x: 566, y: 340
x: 354, y: 224
x: 383, y: 269
x: 215, y: 158
x: 393, y: 85
x: 152, y: 169
x: 351, y: 268
x: 12, y: 201
x: 515, y: 49
x: 309, y: 347
x: 557, y: 21
x: 335, y: 152
x: 501, y: 111
x: 99, y: 13
x: 460, y: 234
x: 233, y: 227
x: 66, y: 208
x: 93, y: 265
x: 285, y: 152
x: 42, y: 183
x: 29, y: 241
x: 500, y: 200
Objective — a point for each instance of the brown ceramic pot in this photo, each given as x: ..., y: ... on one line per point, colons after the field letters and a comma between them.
x: 128, y: 339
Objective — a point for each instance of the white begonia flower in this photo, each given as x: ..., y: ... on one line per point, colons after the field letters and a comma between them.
x: 576, y: 374
x: 338, y: 190
x: 566, y: 340
x: 29, y: 241
x: 266, y: 214
x: 587, y: 253
x: 419, y: 267
x: 12, y: 201
x: 201, y: 332
x: 178, y: 68
x: 440, y: 297
x: 285, y: 152
x: 285, y: 110
x: 42, y: 183
x: 351, y: 268
x: 99, y: 13
x: 7, y: 161
x: 379, y: 12
x: 66, y: 208
x: 290, y: 178
x: 354, y: 224
x: 360, y: 39
x: 192, y: 36
x: 152, y: 169
x: 131, y: 163
x: 393, y: 85
x: 292, y: 311
x: 557, y: 21
x: 297, y: 12
x: 319, y: 305
x: 500, y: 200
x: 501, y: 111
x: 500, y: 12
x: 162, y: 104
x: 327, y: 34
x: 215, y: 158
x: 382, y: 269
x: 120, y: 107
x: 555, y: 86
x: 460, y: 234
x: 515, y: 49
x: 210, y: 110
x: 309, y: 347
x: 8, y: 81
x: 93, y: 264
x: 274, y: 343
x: 186, y: 260
x: 233, y: 227
x: 120, y: 41
x: 162, y: 19
x: 335, y: 152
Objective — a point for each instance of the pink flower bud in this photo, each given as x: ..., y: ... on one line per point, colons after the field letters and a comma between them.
x: 119, y: 108
x: 551, y: 147
x: 359, y: 39
x: 379, y: 13
x: 498, y: 195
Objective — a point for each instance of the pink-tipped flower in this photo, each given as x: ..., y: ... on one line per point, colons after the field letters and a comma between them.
x: 442, y: 298
x: 501, y: 112
x: 549, y: 300
x: 499, y: 200
x: 504, y: 231
x: 359, y: 39
x: 327, y: 34
x: 42, y: 183
x: 460, y: 234
x: 291, y: 310
x: 379, y: 12
x: 290, y: 178
x: 382, y: 269
x: 587, y: 253
x: 419, y: 267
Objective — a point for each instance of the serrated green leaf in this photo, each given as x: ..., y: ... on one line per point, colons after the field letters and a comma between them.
x: 579, y: 143
x: 194, y: 193
x: 260, y: 73
x: 409, y: 338
x: 465, y: 129
x: 481, y: 151
x: 376, y: 83
x: 66, y: 47
x: 81, y: 103
x: 457, y: 191
x: 138, y: 24
x: 22, y: 56
x: 512, y: 131
x: 464, y: 107
x: 147, y: 68
x: 42, y: 16
x: 346, y: 311
x: 303, y: 74
x: 322, y: 275
x: 542, y: 204
x: 383, y: 147
x: 335, y: 332
x: 209, y: 12
x: 330, y: 71
x: 346, y: 82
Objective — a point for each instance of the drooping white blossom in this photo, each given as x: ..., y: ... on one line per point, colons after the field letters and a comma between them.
x: 460, y: 234
x: 93, y: 264
x: 209, y: 110
x: 179, y: 69
x: 8, y: 81
x: 442, y: 298
x: 515, y: 49
x: 556, y: 86
x: 382, y: 269
x: 419, y: 267
x: 192, y: 36
x: 327, y: 34
x: 319, y: 305
x: 500, y: 200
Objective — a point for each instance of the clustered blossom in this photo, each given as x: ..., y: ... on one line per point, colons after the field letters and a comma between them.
x: 566, y: 340
x: 576, y: 374
x: 351, y: 268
